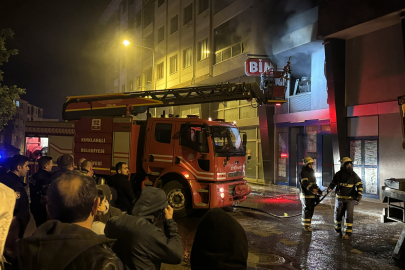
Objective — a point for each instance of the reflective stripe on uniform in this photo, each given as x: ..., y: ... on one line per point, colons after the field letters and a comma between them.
x: 359, y: 183
x: 345, y: 197
x: 306, y: 223
x: 360, y: 193
x: 310, y: 185
x: 338, y: 227
x: 360, y: 189
x: 302, y: 196
x: 303, y: 179
x: 345, y: 185
x: 349, y: 224
x: 349, y: 230
x: 338, y: 222
x: 308, y: 219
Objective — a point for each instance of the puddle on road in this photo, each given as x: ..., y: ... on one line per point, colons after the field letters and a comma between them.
x: 264, y: 260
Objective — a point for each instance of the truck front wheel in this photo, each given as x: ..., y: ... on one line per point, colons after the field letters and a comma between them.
x: 179, y: 198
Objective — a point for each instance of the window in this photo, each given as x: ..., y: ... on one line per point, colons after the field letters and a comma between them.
x: 123, y: 6
x: 160, y: 71
x: 138, y: 82
x: 203, y: 49
x: 174, y: 24
x: 28, y: 109
x: 161, y: 34
x: 188, y: 14
x: 187, y: 57
x: 148, y: 13
x: 163, y: 133
x: 138, y: 19
x: 147, y: 76
x: 173, y: 64
x: 160, y: 2
x: 17, y: 103
x: 131, y: 85
x: 188, y: 137
x: 123, y: 88
x: 203, y: 5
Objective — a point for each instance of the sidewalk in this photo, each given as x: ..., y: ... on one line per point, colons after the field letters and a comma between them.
x: 366, y: 206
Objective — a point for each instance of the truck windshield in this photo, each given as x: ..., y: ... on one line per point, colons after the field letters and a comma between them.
x: 226, y: 139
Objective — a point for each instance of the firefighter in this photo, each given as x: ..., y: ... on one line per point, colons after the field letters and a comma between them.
x: 349, y: 191
x: 308, y: 193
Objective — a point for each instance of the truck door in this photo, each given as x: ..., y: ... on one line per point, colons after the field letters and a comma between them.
x: 160, y: 145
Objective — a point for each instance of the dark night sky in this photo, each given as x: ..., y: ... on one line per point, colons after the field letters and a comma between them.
x: 58, y: 49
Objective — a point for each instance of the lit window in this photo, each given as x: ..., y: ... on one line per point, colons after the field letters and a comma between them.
x: 203, y: 50
x: 187, y: 57
x: 173, y: 64
x: 160, y: 71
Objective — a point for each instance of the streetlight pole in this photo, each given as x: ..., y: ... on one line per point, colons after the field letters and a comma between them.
x: 126, y: 43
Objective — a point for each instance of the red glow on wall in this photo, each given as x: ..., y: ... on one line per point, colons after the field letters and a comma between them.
x: 284, y: 155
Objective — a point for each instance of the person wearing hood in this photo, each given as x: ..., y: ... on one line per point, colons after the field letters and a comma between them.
x: 67, y: 242
x: 220, y: 243
x: 349, y: 191
x: 309, y: 192
x: 140, y: 243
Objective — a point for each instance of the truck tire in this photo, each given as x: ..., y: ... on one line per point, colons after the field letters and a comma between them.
x: 179, y: 198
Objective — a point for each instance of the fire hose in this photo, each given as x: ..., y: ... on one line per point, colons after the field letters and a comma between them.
x: 276, y: 216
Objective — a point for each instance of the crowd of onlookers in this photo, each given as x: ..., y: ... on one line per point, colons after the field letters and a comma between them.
x: 87, y: 222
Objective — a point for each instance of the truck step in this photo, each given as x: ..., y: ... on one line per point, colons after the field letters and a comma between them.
x: 202, y: 190
x: 201, y: 204
x: 154, y: 173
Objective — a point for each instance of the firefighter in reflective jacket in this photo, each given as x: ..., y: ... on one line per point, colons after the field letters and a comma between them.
x: 349, y: 191
x: 308, y: 193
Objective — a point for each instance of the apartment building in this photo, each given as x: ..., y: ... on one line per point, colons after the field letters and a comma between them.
x: 13, y: 134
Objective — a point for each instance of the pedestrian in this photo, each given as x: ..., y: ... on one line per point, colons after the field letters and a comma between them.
x: 121, y: 183
x: 105, y: 210
x: 220, y: 242
x: 349, y: 191
x: 87, y: 168
x: 309, y: 193
x: 65, y: 164
x: 7, y: 239
x: 140, y: 243
x: 14, y: 180
x: 37, y: 185
x: 67, y: 241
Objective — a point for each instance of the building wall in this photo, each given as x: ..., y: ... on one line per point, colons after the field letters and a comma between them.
x: 319, y: 95
x: 375, y: 69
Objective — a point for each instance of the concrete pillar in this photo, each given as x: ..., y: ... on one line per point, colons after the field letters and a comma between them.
x: 267, y: 131
x: 335, y: 53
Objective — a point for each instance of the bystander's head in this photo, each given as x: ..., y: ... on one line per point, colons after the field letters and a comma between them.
x: 79, y: 163
x: 19, y: 165
x: 87, y: 167
x: 45, y: 163
x: 122, y: 168
x: 73, y: 199
x: 65, y: 162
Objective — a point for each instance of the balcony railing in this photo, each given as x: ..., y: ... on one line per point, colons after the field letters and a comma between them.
x: 229, y: 52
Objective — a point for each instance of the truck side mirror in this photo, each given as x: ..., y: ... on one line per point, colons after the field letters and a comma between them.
x: 244, y: 141
x: 201, y: 142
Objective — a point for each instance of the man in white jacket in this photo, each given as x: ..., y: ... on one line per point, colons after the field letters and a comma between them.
x: 7, y: 203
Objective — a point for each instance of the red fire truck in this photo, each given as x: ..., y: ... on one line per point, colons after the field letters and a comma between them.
x: 200, y: 164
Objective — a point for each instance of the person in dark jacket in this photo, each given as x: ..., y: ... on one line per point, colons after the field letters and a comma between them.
x: 121, y: 183
x: 349, y: 191
x: 37, y: 185
x: 67, y: 242
x: 65, y: 164
x: 13, y: 179
x: 220, y: 242
x: 140, y: 244
x: 309, y: 192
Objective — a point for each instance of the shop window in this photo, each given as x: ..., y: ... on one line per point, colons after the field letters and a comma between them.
x: 163, y: 133
x: 364, y: 154
x: 173, y: 64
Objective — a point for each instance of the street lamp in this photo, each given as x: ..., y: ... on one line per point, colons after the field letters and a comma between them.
x: 127, y: 43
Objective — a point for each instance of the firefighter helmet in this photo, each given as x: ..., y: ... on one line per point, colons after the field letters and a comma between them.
x: 344, y: 160
x: 307, y: 160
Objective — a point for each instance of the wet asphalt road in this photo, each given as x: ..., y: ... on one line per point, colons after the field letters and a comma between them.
x: 276, y: 243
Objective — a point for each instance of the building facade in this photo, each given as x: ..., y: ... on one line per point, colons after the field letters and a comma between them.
x: 13, y: 134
